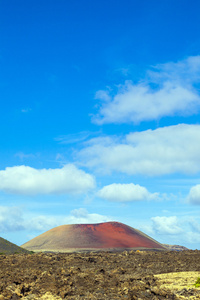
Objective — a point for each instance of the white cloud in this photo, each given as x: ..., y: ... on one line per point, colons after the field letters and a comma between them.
x: 174, y: 230
x: 194, y: 195
x: 186, y: 71
x: 192, y: 237
x: 103, y: 95
x: 29, y: 181
x: 73, y: 138
x: 168, y: 90
x: 10, y: 219
x: 22, y: 156
x: 76, y: 137
x: 126, y: 193
x: 166, y: 225
x: 172, y: 149
x: 194, y: 225
x: 14, y: 219
x: 41, y: 223
x: 81, y: 216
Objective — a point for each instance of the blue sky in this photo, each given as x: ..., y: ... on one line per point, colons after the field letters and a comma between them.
x: 100, y: 116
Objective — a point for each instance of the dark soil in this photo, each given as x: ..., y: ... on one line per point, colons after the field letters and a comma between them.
x: 101, y: 275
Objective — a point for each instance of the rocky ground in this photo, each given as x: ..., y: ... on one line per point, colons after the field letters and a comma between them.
x: 101, y: 275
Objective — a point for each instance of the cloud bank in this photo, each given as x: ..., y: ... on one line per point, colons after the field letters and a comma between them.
x: 29, y: 181
x: 76, y: 216
x: 173, y: 230
x: 168, y: 90
x: 166, y: 150
x: 11, y: 219
x: 14, y: 219
x: 126, y: 193
x: 166, y: 225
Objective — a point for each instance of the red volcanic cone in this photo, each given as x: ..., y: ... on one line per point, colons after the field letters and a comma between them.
x: 109, y: 235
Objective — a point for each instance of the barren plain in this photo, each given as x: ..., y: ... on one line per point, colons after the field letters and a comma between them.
x: 100, y: 275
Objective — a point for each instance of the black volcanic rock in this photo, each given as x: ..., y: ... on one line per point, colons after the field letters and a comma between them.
x: 97, y: 275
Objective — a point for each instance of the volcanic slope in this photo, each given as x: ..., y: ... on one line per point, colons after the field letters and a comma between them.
x: 7, y: 247
x: 102, y: 236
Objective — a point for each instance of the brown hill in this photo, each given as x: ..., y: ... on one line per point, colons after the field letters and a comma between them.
x: 7, y: 247
x: 109, y: 235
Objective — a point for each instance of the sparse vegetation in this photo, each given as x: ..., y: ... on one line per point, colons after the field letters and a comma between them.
x: 197, y: 283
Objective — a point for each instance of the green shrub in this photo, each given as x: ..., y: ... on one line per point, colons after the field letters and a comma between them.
x: 197, y: 283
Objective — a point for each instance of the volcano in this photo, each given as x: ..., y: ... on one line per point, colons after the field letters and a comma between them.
x: 101, y: 236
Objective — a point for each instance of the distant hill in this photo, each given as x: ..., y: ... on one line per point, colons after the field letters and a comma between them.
x: 175, y: 247
x: 7, y: 247
x: 102, y: 236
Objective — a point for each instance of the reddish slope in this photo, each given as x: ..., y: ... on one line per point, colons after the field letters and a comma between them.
x: 91, y: 236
